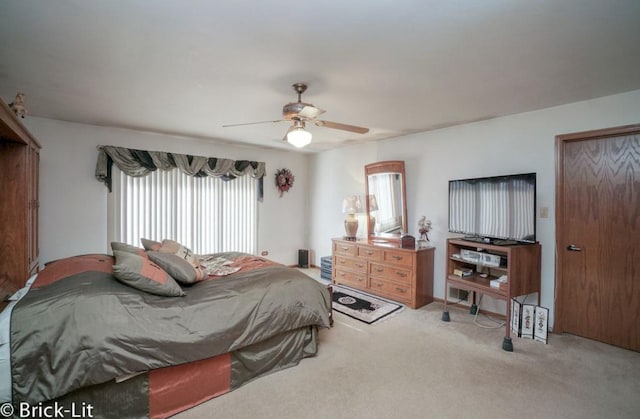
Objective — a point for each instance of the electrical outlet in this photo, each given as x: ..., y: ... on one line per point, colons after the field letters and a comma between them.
x: 265, y: 253
x: 544, y: 212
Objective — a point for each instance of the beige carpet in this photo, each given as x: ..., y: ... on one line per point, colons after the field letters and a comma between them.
x: 415, y: 366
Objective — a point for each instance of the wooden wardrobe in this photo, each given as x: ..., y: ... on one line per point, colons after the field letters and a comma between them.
x: 19, y: 162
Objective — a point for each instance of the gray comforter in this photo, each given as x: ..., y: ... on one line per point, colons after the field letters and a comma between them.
x: 89, y: 328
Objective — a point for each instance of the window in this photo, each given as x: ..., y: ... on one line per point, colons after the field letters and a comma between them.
x: 206, y: 214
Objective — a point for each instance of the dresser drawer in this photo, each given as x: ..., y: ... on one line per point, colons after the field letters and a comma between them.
x: 398, y: 258
x: 350, y: 263
x: 348, y: 277
x: 393, y: 273
x: 342, y: 248
x: 369, y: 253
x: 390, y: 289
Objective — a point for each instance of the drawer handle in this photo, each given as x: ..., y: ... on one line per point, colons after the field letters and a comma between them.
x: 359, y: 265
x: 379, y: 284
x: 344, y: 248
x: 400, y: 289
x: 401, y: 274
x: 379, y: 269
x: 341, y: 273
x: 369, y: 252
x: 397, y: 257
x: 360, y: 279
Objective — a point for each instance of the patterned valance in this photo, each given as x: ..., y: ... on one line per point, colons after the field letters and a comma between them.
x: 140, y: 163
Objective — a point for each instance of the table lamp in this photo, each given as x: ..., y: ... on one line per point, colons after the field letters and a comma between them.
x: 351, y: 205
x: 373, y: 206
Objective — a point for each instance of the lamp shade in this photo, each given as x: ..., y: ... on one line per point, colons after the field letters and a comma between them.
x: 373, y: 203
x: 299, y: 137
x: 352, y: 204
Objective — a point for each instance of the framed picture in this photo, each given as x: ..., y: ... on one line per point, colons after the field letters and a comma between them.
x: 515, y: 317
x: 541, y: 331
x: 528, y: 320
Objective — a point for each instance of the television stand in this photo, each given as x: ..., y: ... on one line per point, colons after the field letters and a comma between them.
x: 522, y: 271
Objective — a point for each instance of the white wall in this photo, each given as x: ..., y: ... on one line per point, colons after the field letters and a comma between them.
x: 73, y: 217
x: 513, y: 144
x: 73, y: 203
x: 336, y: 174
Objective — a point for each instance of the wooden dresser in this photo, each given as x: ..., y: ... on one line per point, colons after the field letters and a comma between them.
x: 19, y: 205
x: 386, y: 270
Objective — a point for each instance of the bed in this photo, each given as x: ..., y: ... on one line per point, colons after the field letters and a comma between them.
x: 80, y: 337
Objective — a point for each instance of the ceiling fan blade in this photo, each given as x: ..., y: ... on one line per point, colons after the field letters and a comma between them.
x: 344, y: 127
x: 310, y: 112
x: 251, y: 123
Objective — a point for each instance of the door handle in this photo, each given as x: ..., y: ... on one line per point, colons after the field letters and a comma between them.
x: 574, y: 248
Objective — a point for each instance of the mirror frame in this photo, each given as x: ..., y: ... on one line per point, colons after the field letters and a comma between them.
x: 391, y: 166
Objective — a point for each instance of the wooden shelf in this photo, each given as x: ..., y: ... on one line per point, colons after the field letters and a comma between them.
x: 500, y: 268
x: 12, y: 129
x: 478, y: 284
x: 522, y: 270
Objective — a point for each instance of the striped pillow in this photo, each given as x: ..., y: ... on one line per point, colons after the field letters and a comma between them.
x: 172, y: 246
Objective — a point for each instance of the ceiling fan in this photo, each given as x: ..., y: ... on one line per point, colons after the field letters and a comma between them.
x: 299, y: 113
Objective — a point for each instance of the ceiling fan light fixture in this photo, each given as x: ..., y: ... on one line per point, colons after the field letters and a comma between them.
x: 300, y: 113
x: 299, y: 137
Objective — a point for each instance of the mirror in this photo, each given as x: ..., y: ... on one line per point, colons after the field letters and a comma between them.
x: 386, y: 203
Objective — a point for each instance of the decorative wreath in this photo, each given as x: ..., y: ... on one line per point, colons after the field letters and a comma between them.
x: 284, y: 180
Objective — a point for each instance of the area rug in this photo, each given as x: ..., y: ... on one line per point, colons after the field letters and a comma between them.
x: 364, y: 307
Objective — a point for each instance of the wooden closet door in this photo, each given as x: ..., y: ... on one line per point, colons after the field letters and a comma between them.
x: 33, y: 208
x: 598, y: 236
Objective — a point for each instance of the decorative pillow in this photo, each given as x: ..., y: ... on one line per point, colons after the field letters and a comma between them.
x: 172, y: 246
x: 124, y: 247
x: 143, y: 274
x: 150, y: 244
x: 177, y: 267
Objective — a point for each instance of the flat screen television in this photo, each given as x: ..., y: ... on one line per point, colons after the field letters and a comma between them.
x: 497, y: 209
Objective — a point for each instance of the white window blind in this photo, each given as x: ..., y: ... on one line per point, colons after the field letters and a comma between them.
x: 206, y: 214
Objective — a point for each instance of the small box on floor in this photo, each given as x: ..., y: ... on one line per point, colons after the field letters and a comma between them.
x: 325, y: 267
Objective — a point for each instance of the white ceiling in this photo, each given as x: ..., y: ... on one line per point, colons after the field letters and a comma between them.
x: 395, y: 66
